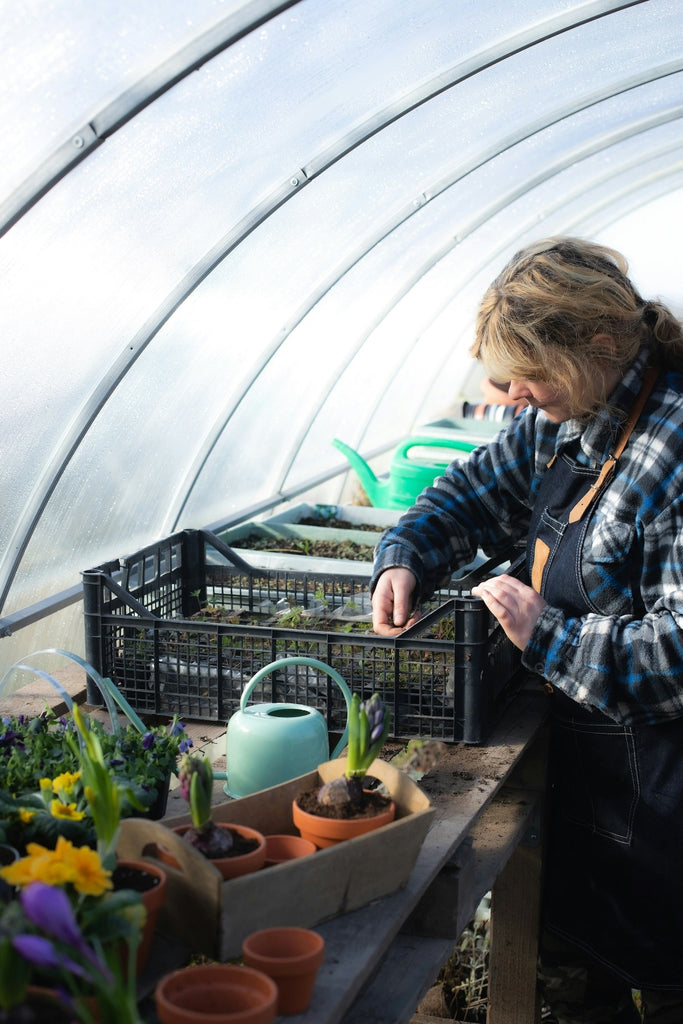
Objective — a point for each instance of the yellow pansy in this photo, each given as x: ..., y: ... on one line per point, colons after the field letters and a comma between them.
x: 65, y: 811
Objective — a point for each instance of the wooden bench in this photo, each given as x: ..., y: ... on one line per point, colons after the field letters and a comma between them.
x: 487, y: 836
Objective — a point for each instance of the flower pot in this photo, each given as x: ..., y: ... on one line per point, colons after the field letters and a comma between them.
x: 240, y: 864
x: 291, y: 957
x: 330, y: 831
x: 280, y: 849
x: 150, y: 881
x: 216, y: 994
x: 157, y: 809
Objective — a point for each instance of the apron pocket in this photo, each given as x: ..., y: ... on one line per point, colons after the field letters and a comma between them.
x: 596, y: 777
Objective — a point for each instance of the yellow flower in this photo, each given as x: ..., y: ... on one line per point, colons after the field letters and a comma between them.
x: 46, y: 788
x: 25, y: 815
x: 65, y: 782
x: 18, y: 873
x: 65, y: 811
x: 66, y: 864
x: 89, y: 877
x: 30, y: 868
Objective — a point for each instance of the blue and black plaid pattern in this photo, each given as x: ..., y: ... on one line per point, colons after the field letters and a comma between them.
x: 626, y: 656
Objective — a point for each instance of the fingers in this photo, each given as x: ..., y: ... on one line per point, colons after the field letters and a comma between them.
x: 392, y: 602
x: 515, y: 605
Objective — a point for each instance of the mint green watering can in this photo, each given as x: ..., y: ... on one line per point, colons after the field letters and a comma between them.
x: 409, y: 474
x: 267, y: 744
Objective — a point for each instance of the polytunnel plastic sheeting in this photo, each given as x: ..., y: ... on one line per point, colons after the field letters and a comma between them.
x: 275, y: 236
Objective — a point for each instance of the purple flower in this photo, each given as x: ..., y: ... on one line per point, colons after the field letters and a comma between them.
x: 50, y: 909
x: 185, y: 745
x: 178, y: 727
x: 42, y: 953
x: 148, y: 741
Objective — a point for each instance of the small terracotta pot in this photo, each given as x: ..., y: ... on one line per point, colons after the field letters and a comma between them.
x: 216, y: 994
x: 283, y: 848
x: 291, y: 957
x: 231, y: 867
x: 150, y: 881
x: 330, y: 831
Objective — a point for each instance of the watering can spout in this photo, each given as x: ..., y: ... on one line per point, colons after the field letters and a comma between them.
x: 376, y: 491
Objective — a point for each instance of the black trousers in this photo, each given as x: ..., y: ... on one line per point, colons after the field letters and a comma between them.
x: 576, y: 989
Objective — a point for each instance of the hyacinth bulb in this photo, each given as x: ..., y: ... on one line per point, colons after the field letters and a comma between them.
x: 210, y: 840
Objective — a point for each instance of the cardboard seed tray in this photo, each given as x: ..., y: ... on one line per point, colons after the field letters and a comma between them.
x: 216, y: 915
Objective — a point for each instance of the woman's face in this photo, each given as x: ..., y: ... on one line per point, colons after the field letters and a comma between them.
x: 541, y: 396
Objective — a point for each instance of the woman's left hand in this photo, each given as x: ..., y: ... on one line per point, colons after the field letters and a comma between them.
x: 515, y: 605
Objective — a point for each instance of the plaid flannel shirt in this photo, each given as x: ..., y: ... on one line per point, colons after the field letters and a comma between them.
x: 625, y: 656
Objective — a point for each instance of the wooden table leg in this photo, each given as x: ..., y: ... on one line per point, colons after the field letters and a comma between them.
x: 515, y: 908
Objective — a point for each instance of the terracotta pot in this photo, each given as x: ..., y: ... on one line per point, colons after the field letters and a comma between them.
x: 283, y: 848
x: 243, y: 864
x: 150, y: 881
x: 291, y: 957
x: 329, y: 831
x: 216, y: 994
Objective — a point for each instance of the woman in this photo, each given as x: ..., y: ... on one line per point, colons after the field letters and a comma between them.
x: 591, y: 474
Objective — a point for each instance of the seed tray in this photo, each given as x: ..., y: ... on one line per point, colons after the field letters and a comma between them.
x: 447, y: 677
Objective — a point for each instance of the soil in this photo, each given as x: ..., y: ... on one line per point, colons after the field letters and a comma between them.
x: 346, y: 549
x: 240, y: 844
x: 137, y: 879
x: 339, y: 524
x: 373, y: 804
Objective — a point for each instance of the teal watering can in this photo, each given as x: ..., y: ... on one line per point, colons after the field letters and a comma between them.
x: 408, y: 475
x: 267, y: 744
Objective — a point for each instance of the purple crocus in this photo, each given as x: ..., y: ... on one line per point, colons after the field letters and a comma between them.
x: 50, y: 909
x: 41, y: 952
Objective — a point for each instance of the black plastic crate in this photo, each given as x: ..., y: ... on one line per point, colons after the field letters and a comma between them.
x: 447, y: 677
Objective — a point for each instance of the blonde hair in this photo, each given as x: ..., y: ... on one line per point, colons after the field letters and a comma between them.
x: 562, y: 310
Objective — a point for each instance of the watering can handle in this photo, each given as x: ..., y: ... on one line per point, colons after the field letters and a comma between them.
x: 312, y: 663
x: 434, y: 442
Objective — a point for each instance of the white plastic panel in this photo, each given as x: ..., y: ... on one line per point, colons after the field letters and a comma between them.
x: 287, y: 244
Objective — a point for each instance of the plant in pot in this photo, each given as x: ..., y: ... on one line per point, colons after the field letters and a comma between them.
x: 233, y: 849
x: 104, y: 794
x: 347, y: 806
x: 61, y: 939
x: 42, y: 793
x: 142, y: 757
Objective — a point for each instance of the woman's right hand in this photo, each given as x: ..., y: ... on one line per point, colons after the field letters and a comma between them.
x: 393, y: 601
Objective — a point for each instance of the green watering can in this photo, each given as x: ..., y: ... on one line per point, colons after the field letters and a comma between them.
x: 408, y: 475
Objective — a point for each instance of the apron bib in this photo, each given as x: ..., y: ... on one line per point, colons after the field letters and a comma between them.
x: 614, y: 865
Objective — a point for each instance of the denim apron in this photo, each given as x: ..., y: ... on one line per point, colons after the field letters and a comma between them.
x: 614, y: 861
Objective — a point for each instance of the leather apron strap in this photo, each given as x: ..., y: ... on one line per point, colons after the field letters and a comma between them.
x: 610, y: 462
x: 541, y: 549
